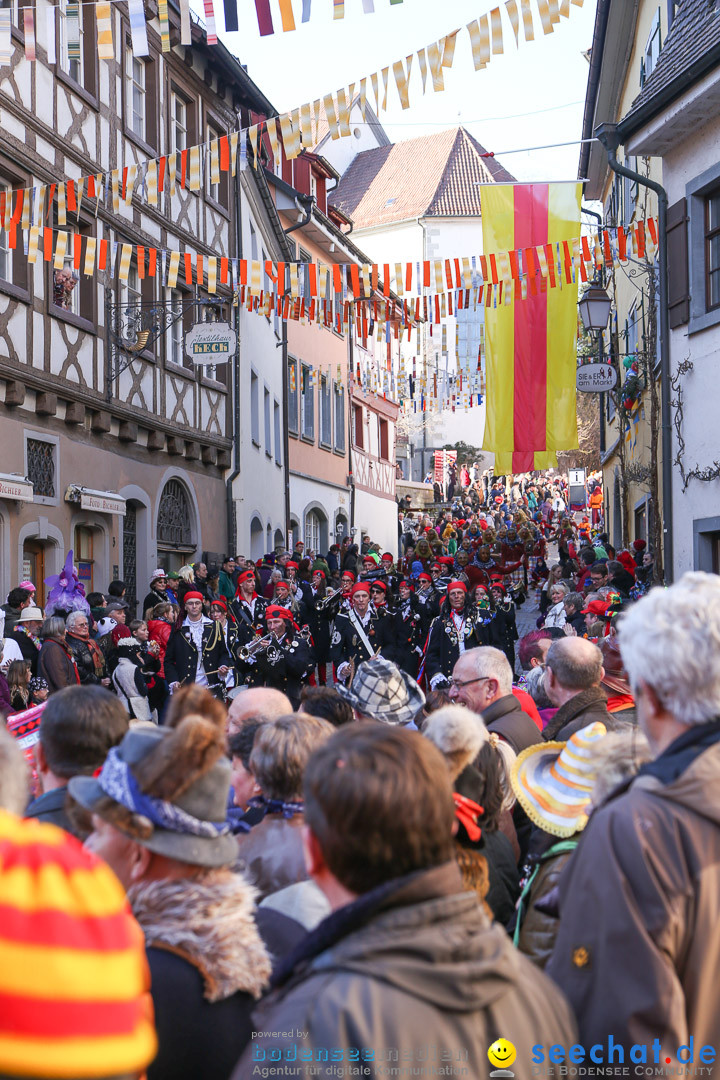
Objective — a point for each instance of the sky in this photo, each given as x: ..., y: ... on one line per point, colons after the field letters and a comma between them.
x: 526, y: 97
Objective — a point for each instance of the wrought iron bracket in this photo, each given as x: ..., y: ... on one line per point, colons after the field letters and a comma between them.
x: 131, y: 329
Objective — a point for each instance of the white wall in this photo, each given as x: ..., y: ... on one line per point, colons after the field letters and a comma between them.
x: 341, y: 152
x: 688, y: 160
x: 378, y: 518
x: 331, y: 501
x: 259, y: 490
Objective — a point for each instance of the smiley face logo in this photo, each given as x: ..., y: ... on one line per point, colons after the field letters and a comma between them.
x: 502, y: 1053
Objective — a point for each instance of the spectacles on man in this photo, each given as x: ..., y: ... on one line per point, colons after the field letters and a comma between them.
x: 468, y: 682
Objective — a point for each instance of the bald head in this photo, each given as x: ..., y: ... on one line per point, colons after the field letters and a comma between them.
x: 258, y: 703
x: 572, y: 665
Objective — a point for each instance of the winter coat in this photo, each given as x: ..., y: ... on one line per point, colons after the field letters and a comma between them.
x: 271, y: 854
x: 5, y: 706
x: 159, y: 631
x: 27, y: 646
x: 555, y: 616
x: 585, y: 708
x: 507, y: 717
x: 407, y: 639
x: 129, y: 685
x: 638, y: 946
x: 56, y: 666
x: 83, y: 653
x: 50, y: 809
x: 154, y: 598
x: 535, y: 929
x: 285, y: 666
x: 503, y: 873
x: 208, y: 965
x: 412, y: 963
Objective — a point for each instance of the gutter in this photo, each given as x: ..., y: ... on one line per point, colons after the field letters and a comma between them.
x: 609, y: 136
x: 307, y: 203
x: 602, y: 16
x: 657, y: 103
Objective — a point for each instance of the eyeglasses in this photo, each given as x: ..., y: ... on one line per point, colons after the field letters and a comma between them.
x: 459, y: 685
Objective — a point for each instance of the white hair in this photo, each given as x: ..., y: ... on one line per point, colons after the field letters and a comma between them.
x: 670, y: 640
x: 74, y: 617
x: 494, y: 664
x: 458, y: 734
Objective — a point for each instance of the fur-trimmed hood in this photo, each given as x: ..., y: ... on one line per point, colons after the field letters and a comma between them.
x: 209, y: 921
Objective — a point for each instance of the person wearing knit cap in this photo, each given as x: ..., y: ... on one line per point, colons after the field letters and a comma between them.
x: 76, y: 994
x: 359, y: 634
x: 459, y: 626
x: 159, y: 820
x: 288, y: 660
x: 196, y: 650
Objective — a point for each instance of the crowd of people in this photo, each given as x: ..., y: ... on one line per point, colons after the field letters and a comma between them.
x: 329, y: 816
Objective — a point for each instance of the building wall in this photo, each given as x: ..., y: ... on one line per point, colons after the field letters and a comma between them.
x: 259, y: 489
x: 695, y: 508
x: 82, y: 458
x: 630, y: 295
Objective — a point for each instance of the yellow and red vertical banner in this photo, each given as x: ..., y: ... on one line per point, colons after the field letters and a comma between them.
x: 531, y: 346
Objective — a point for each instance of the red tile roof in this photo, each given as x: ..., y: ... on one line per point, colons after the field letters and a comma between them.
x: 432, y: 176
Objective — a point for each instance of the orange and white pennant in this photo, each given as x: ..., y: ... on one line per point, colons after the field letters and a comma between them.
x: 402, y: 79
x: 90, y: 249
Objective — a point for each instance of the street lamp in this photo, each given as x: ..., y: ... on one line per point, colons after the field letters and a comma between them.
x: 595, y: 308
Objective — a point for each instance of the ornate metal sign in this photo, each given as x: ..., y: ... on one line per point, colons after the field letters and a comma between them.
x: 210, y: 343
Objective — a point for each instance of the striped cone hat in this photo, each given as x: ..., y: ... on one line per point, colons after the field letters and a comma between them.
x: 74, y: 980
x: 554, y: 781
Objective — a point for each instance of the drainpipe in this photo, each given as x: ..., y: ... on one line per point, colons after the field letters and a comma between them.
x: 286, y: 436
x: 231, y: 515
x: 601, y: 397
x: 607, y: 134
x: 306, y: 203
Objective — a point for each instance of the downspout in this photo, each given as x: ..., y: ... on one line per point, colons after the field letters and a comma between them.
x: 286, y: 435
x: 231, y: 515
x: 351, y: 415
x: 607, y: 134
x: 306, y: 203
x: 601, y: 397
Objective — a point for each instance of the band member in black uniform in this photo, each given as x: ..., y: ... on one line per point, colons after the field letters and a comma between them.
x: 503, y: 627
x: 359, y: 633
x: 427, y: 600
x: 219, y: 614
x: 407, y: 632
x: 287, y: 661
x: 379, y: 597
x: 196, y: 650
x: 247, y: 609
x: 458, y: 627
x: 319, y: 626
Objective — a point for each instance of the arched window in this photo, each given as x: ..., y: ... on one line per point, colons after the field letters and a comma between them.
x: 174, y: 528
x: 315, y: 532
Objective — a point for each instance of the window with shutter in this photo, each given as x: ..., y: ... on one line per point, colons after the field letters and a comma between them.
x: 340, y: 419
x: 307, y: 404
x: 325, y: 413
x: 293, y: 396
x: 677, y: 256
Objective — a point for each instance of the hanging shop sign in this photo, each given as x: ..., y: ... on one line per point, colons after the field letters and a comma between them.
x: 210, y: 343
x: 15, y: 487
x: 594, y: 378
x: 103, y: 502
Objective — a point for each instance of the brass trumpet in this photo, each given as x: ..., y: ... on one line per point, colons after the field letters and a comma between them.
x: 331, y: 597
x: 259, y: 645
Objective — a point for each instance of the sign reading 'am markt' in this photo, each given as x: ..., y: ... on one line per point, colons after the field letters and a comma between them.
x: 594, y: 378
x: 210, y: 343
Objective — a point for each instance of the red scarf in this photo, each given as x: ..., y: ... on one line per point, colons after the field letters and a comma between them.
x: 618, y: 702
x: 467, y: 812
